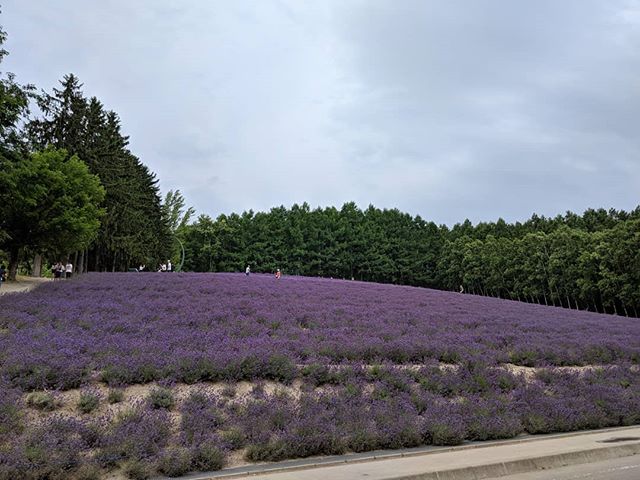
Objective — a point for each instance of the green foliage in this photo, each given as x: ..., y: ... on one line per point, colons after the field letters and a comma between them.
x: 44, y: 401
x: 234, y: 437
x: 87, y: 471
x: 88, y: 401
x: 14, y: 105
x: 115, y: 395
x: 271, y: 451
x: 133, y: 228
x: 207, y: 457
x: 175, y: 461
x: 173, y: 211
x: 280, y: 368
x: 48, y: 202
x: 160, y: 397
x: 443, y: 434
x: 137, y: 469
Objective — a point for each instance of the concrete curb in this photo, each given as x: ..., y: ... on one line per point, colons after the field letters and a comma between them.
x: 514, y: 467
x: 484, y: 471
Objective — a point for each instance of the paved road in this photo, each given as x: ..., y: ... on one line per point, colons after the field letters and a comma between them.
x: 625, y: 468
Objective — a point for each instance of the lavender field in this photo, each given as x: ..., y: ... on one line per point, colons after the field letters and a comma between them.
x: 138, y: 374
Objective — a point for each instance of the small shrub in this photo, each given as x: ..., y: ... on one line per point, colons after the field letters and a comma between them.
x: 161, y: 397
x: 115, y: 395
x: 89, y: 400
x: 624, y: 383
x: 352, y: 390
x: 44, y: 401
x: 363, y: 441
x: 175, y: 461
x: 114, y: 375
x: 420, y: 402
x: 10, y: 414
x: 87, y: 472
x: 52, y: 449
x: 201, y: 415
x: 234, y: 438
x: 507, y: 383
x: 443, y: 434
x: 92, y: 432
x: 206, y: 457
x: 258, y: 389
x: 445, y: 424
x: 228, y: 391
x: 449, y: 356
x: 316, y: 374
x: 280, y: 368
x: 271, y: 451
x: 491, y: 419
x: 134, y: 434
x: 535, y: 423
x: 546, y: 376
x: 137, y: 470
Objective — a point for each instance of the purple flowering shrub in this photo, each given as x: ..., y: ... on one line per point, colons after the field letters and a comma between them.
x: 11, y: 420
x: 139, y: 433
x: 48, y: 449
x: 565, y: 401
x: 212, y: 327
x: 336, y: 366
x: 203, y: 414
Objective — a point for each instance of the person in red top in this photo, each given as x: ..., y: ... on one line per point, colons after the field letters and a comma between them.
x: 278, y: 274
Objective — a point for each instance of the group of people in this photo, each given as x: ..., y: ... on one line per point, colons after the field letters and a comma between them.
x: 247, y: 271
x: 61, y: 270
x: 166, y: 267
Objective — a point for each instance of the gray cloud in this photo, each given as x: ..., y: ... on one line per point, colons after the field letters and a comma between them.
x: 484, y: 109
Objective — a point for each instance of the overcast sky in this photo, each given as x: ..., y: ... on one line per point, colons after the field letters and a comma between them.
x: 448, y: 109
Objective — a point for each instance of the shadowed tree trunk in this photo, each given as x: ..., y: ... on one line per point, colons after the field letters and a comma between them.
x: 37, y: 265
x: 80, y: 259
x: 14, y: 253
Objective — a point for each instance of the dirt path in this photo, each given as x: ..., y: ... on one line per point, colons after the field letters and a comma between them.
x: 22, y: 284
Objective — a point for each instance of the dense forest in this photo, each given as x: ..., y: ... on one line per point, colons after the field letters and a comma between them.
x: 133, y: 228
x: 70, y: 189
x: 589, y: 262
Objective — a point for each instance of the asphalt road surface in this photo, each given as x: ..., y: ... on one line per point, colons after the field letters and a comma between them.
x: 625, y: 468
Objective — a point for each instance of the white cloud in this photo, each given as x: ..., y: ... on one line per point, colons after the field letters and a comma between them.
x: 444, y: 109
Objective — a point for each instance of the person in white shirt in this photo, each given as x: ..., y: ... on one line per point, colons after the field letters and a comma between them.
x: 68, y: 269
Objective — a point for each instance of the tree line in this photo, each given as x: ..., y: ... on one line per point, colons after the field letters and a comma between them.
x: 588, y: 262
x: 69, y: 185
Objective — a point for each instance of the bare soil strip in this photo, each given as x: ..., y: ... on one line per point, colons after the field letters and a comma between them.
x: 22, y: 284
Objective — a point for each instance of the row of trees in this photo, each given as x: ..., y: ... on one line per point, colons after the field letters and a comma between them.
x: 133, y: 228
x: 69, y: 185
x: 589, y: 261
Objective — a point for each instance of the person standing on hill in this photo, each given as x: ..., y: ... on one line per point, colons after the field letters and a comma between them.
x: 68, y: 269
x: 278, y: 274
x: 247, y: 270
x: 57, y: 271
x: 169, y: 266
